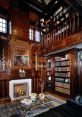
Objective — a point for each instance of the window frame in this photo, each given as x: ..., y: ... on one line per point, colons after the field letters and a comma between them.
x: 31, y: 34
x: 7, y: 25
x: 3, y: 25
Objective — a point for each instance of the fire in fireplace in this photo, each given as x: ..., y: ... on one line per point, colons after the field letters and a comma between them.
x: 19, y: 88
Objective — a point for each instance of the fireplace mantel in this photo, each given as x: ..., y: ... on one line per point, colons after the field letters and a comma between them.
x: 20, y: 81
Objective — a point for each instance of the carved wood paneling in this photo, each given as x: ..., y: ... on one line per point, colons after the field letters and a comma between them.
x: 19, y: 47
x: 33, y: 17
x: 66, y: 42
x: 19, y: 24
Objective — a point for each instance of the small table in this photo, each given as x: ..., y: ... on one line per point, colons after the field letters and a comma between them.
x: 36, y: 107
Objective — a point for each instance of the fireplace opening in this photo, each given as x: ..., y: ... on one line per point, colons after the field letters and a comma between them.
x: 20, y: 90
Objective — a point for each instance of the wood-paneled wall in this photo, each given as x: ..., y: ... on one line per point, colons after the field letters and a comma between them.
x: 18, y: 44
x: 20, y: 25
x: 19, y: 41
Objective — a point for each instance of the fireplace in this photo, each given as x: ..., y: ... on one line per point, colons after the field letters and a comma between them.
x: 19, y: 88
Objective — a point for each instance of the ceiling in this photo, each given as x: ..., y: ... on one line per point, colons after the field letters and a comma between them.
x: 48, y: 7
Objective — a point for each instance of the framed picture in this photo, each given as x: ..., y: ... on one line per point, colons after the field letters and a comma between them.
x: 21, y: 60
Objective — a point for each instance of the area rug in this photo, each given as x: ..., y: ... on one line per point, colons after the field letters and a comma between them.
x: 7, y: 110
x: 57, y: 100
x: 13, y: 110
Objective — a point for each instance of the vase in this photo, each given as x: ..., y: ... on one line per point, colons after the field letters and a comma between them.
x: 41, y: 96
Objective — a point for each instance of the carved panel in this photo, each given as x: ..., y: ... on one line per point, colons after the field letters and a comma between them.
x: 19, y: 24
x: 20, y: 48
x: 70, y: 41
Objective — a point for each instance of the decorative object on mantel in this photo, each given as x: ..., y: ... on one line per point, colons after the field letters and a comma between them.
x: 22, y: 73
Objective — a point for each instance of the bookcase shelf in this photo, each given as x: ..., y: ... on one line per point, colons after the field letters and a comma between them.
x: 62, y: 74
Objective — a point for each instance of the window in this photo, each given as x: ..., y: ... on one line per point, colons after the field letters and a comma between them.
x: 37, y: 36
x: 31, y: 34
x: 3, y: 25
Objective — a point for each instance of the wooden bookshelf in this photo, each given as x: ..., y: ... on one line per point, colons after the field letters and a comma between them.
x: 62, y: 74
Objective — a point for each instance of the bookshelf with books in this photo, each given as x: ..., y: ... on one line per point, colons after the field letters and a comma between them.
x: 50, y: 75
x: 63, y: 74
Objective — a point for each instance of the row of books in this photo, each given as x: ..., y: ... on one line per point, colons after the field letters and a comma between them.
x: 62, y: 69
x: 62, y: 90
x: 67, y: 74
x: 62, y: 80
x: 63, y: 63
x: 64, y: 85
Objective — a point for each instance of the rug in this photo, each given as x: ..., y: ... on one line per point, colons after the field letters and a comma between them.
x: 7, y: 110
x: 13, y: 110
x: 56, y: 100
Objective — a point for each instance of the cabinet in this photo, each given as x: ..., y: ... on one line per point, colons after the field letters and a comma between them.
x: 36, y: 81
x: 50, y: 76
x: 63, y: 24
x: 62, y: 74
x: 49, y: 83
x: 65, y: 74
x: 4, y: 88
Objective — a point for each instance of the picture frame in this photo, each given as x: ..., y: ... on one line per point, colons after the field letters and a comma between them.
x: 21, y: 60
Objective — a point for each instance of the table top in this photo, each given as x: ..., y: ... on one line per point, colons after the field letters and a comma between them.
x: 36, y: 107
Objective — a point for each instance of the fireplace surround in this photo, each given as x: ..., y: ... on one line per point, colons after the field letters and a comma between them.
x: 20, y: 88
